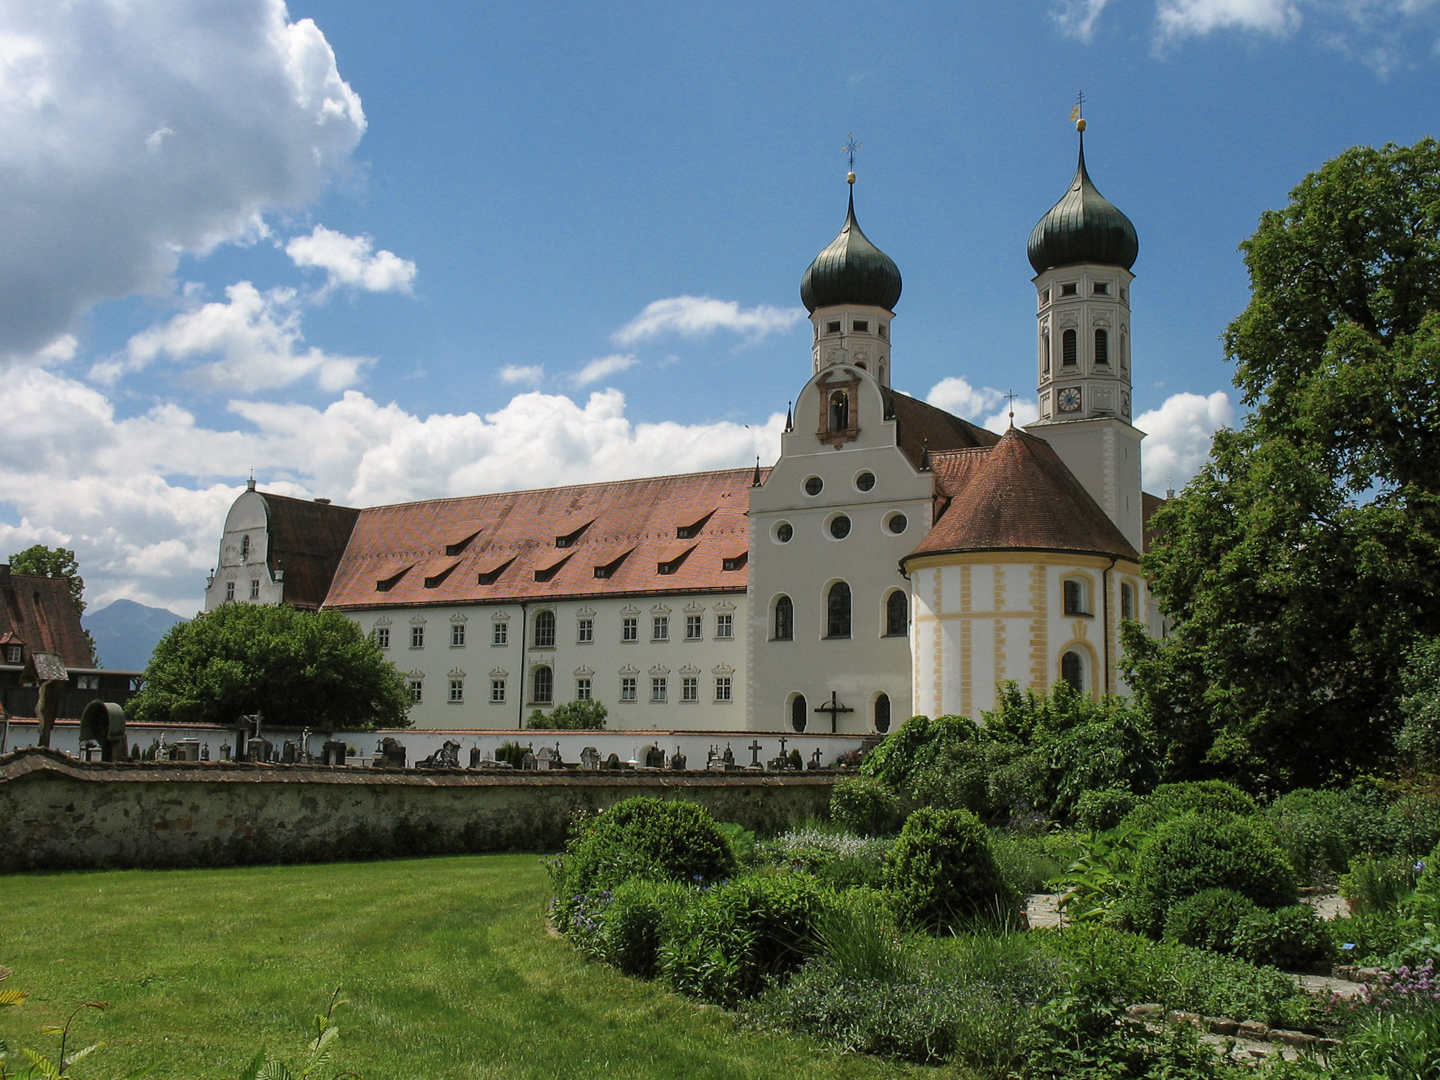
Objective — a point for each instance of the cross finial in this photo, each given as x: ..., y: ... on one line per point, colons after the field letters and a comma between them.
x: 1011, y: 396
x: 1077, y: 112
x: 850, y: 147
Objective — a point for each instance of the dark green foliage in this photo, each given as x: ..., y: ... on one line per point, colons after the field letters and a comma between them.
x: 639, y: 918
x: 1200, y: 797
x: 299, y: 668
x: 1377, y: 885
x: 586, y: 715
x: 1028, y: 863
x: 1413, y: 820
x: 1096, y: 811
x: 1298, y: 566
x: 795, y: 761
x: 734, y: 939
x: 1371, y: 938
x: 1419, y: 737
x: 1322, y: 831
x: 641, y: 838
x: 1195, y: 852
x: 1208, y: 919
x: 1391, y: 1044
x: 1290, y: 938
x: 512, y: 753
x: 864, y: 806
x: 913, y: 746
x: 941, y: 874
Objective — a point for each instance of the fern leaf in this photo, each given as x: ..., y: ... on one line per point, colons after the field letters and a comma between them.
x: 274, y: 1070
x: 252, y: 1071
x: 12, y: 997
x: 80, y: 1054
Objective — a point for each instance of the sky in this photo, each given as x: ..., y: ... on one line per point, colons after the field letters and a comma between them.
x: 379, y: 252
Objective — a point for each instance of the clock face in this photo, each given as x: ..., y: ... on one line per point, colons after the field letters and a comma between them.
x: 1124, y: 402
x: 1069, y: 399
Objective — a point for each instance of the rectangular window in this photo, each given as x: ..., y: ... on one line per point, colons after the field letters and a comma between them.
x: 1075, y: 598
x: 417, y: 637
x: 582, y: 689
x: 497, y: 691
x: 381, y: 634
x: 457, y: 691
x: 689, y: 688
x: 500, y: 633
x: 861, y: 326
x: 692, y: 627
x: 1070, y: 290
x: 229, y: 590
x: 725, y: 626
x: 254, y: 589
x: 417, y: 691
x: 1102, y: 289
x: 627, y: 688
x: 630, y: 629
x: 585, y: 631
x: 658, y: 688
x: 832, y: 327
x: 457, y: 635
x: 660, y: 628
x: 14, y: 654
x: 722, y: 687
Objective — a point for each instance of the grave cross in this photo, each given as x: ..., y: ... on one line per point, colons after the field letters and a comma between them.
x: 783, y: 740
x: 834, y: 708
x: 754, y: 749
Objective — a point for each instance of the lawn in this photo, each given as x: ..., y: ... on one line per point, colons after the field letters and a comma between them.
x: 446, y: 964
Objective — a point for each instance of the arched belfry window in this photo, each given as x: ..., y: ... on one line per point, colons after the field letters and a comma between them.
x: 1102, y: 347
x: 1072, y: 670
x: 837, y: 611
x: 897, y: 615
x: 882, y: 713
x: 1067, y: 348
x: 1124, y: 350
x: 839, y: 411
x: 784, y: 619
x: 799, y: 712
x: 1045, y: 353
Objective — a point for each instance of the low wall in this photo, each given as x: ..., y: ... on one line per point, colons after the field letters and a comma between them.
x: 60, y: 813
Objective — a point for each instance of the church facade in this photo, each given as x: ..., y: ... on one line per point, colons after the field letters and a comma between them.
x: 894, y: 560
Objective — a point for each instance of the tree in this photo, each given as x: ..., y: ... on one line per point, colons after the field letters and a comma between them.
x: 586, y: 715
x: 1301, y: 563
x: 300, y: 668
x: 42, y: 561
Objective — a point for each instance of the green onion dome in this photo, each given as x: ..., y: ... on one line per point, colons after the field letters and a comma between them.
x: 1083, y: 227
x: 851, y: 270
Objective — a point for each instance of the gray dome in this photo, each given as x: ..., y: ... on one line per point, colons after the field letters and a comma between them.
x: 1083, y: 227
x: 851, y: 270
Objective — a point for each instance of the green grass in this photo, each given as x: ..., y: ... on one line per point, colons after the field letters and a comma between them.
x: 446, y: 964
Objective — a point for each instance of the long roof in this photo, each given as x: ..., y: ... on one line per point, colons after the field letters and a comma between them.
x: 307, y: 542
x: 40, y: 613
x: 1017, y: 495
x: 663, y: 534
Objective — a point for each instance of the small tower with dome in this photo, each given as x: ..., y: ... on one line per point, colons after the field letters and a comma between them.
x: 1082, y: 251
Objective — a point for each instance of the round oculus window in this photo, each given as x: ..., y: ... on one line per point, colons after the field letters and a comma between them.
x: 784, y: 531
x: 814, y: 486
x: 897, y: 523
x: 865, y: 481
x: 840, y: 527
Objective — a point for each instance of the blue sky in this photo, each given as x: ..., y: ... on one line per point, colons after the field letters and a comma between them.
x: 381, y: 252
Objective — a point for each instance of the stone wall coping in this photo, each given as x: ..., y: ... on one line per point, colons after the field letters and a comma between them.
x: 31, y: 761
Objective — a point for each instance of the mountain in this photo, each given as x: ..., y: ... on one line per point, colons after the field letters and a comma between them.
x: 126, y: 633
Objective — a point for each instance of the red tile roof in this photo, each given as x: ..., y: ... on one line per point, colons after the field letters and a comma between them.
x: 307, y: 540
x: 40, y: 614
x: 1016, y: 495
x: 517, y: 530
x: 920, y: 425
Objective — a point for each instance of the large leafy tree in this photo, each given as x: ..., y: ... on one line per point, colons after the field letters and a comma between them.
x: 1302, y: 561
x: 315, y: 669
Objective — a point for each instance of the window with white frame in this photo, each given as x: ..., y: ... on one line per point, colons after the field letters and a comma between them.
x: 582, y: 688
x: 417, y: 691
x: 14, y: 654
x: 545, y: 630
x: 630, y: 628
x: 497, y: 691
x: 722, y: 687
x: 725, y: 625
x: 229, y: 590
x: 381, y: 634
x: 689, y: 688
x: 585, y: 631
x: 542, y: 684
x: 500, y: 633
x: 417, y: 637
x: 457, y: 691
x: 457, y: 635
x: 1075, y: 598
x: 693, y: 627
x: 627, y: 688
x: 659, y: 688
x: 254, y: 588
x: 660, y: 628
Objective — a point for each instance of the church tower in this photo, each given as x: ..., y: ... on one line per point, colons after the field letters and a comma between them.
x: 850, y: 291
x: 1082, y: 251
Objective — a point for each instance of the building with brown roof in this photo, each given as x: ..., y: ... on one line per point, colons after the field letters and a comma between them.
x: 896, y: 558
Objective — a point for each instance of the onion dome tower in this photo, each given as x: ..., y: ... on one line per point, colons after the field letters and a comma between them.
x: 850, y: 291
x: 1082, y: 251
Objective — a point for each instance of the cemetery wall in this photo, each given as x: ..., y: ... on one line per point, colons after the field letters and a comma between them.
x: 60, y: 813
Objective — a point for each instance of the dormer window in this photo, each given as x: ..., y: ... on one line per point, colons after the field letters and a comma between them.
x: 735, y: 562
x: 1101, y: 288
x: 861, y: 326
x: 14, y: 654
x: 832, y: 327
x: 1070, y: 289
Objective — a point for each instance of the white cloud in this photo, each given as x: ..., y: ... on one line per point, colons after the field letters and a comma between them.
x: 1076, y: 18
x: 955, y: 395
x: 1026, y: 412
x: 210, y: 115
x: 142, y: 500
x: 254, y: 336
x: 1185, y: 18
x: 1179, y: 434
x: 347, y: 260
x: 516, y: 373
x: 695, y: 316
x: 603, y: 368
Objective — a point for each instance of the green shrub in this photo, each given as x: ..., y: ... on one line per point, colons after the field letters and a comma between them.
x: 641, y: 838
x: 1367, y: 940
x: 1398, y: 1044
x: 638, y: 919
x: 1026, y: 863
x: 1419, y: 738
x: 1413, y: 822
x: 941, y: 873
x: 510, y: 752
x: 1198, y: 797
x: 742, y: 935
x: 864, y: 806
x: 1100, y: 880
x: 1291, y: 938
x: 1374, y: 886
x: 1208, y: 919
x: 1195, y: 852
x: 588, y: 715
x: 1097, y: 811
x: 860, y: 937
x: 1321, y: 831
x: 913, y: 746
x: 839, y: 859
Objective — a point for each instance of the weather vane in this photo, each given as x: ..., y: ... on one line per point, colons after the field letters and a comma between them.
x: 850, y: 147
x: 1077, y: 112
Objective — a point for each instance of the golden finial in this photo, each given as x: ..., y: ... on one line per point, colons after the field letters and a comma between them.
x: 1080, y: 124
x: 1076, y: 111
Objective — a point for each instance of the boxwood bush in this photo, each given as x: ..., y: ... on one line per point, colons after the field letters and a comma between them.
x: 1193, y: 797
x: 1292, y: 938
x: 1322, y: 831
x: 1208, y: 919
x: 941, y: 874
x: 1195, y: 852
x: 864, y: 806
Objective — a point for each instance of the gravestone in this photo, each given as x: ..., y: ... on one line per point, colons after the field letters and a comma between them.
x: 590, y: 758
x: 613, y: 762
x: 333, y: 752
x: 529, y: 761
x: 545, y: 758
x: 258, y: 750
x: 677, y: 760
x: 287, y: 754
x: 225, y: 751
x: 205, y: 751
x: 474, y: 757
x: 187, y: 750
x: 728, y: 757
x: 390, y: 754
x: 654, y: 757
x: 814, y: 762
